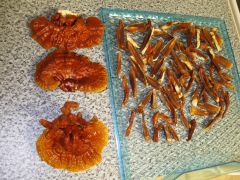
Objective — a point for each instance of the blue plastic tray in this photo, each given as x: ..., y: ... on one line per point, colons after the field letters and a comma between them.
x: 139, y: 159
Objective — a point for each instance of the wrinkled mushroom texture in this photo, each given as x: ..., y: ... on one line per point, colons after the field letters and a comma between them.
x: 71, y: 72
x: 70, y: 142
x: 67, y: 31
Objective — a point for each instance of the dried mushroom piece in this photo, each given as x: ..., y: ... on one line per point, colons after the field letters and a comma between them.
x: 119, y: 64
x: 70, y: 142
x: 137, y: 27
x: 144, y: 102
x: 70, y: 72
x: 133, y: 82
x: 154, y: 104
x: 67, y: 31
x: 126, y: 91
x: 167, y: 134
x: 146, y: 134
x: 172, y: 132
x: 191, y: 130
x: 132, y: 117
x: 120, y: 35
x: 217, y: 117
x: 155, y: 126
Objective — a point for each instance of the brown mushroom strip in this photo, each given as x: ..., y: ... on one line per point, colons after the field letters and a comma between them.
x: 144, y: 58
x: 132, y: 117
x: 206, y: 84
x: 130, y: 39
x: 199, y: 53
x: 138, y: 71
x: 119, y: 64
x: 184, y: 119
x: 146, y: 41
x: 215, y: 41
x: 180, y: 46
x: 217, y: 117
x: 165, y: 118
x: 191, y: 58
x: 150, y: 60
x: 155, y: 126
x: 120, y: 35
x: 160, y: 126
x: 133, y: 82
x: 186, y: 61
x: 173, y: 93
x: 168, y: 47
x: 126, y: 90
x: 198, y: 41
x: 153, y: 82
x: 218, y: 59
x: 207, y: 36
x: 169, y: 105
x: 218, y: 37
x: 136, y: 56
x: 137, y: 27
x: 157, y: 65
x: 173, y: 80
x: 227, y: 102
x: 161, y: 33
x: 154, y: 99
x: 172, y: 132
x: 199, y: 112
x: 209, y: 107
x: 184, y: 24
x: 167, y: 134
x: 191, y: 81
x: 157, y: 48
x: 161, y: 74
x: 179, y: 29
x: 195, y: 97
x: 191, y: 34
x: 180, y: 65
x: 205, y: 97
x: 144, y: 102
x: 146, y: 134
x: 167, y: 25
x: 191, y: 130
x: 171, y: 98
x: 225, y: 76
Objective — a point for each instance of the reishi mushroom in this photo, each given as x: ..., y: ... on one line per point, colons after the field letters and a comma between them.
x: 70, y: 72
x: 67, y: 31
x: 70, y: 142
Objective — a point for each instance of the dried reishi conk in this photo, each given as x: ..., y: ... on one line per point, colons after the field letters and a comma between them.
x: 70, y: 142
x: 70, y: 72
x: 67, y: 31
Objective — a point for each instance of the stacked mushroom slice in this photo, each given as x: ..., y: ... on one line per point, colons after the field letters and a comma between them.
x: 174, y: 59
x: 71, y: 72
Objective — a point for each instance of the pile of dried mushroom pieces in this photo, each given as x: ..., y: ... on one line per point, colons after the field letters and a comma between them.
x: 171, y: 58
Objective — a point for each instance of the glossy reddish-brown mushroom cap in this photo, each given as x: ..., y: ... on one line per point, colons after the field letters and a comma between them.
x: 70, y: 142
x: 67, y: 32
x: 70, y: 72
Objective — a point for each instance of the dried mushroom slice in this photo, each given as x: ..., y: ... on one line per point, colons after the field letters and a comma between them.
x: 70, y: 72
x: 70, y: 142
x: 67, y: 31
